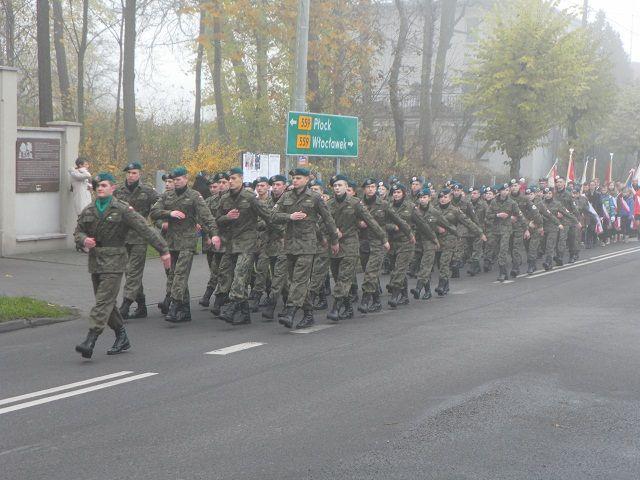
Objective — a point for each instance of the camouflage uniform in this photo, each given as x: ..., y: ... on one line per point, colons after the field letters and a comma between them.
x: 107, y: 260
x: 300, y: 240
x: 503, y: 227
x: 551, y: 224
x: 141, y: 197
x: 480, y: 207
x: 464, y: 243
x: 181, y: 234
x: 570, y: 236
x: 401, y: 252
x: 448, y: 240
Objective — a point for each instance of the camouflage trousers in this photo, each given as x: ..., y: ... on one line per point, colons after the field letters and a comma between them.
x: 533, y: 244
x: 399, y: 256
x: 105, y: 288
x: 299, y: 269
x: 561, y: 245
x: 551, y: 234
x: 271, y: 273
x: 372, y: 267
x: 447, y: 250
x: 235, y: 272
x: 573, y: 239
x: 429, y: 251
x: 503, y: 240
x: 516, y: 246
x: 181, y: 261
x: 136, y: 258
x: 213, y: 260
x: 319, y: 271
x: 343, y: 270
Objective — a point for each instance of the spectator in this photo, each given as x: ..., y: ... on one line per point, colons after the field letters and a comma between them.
x: 80, y: 184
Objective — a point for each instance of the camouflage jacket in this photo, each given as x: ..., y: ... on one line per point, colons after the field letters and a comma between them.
x: 386, y: 217
x: 428, y: 219
x: 109, y: 230
x: 271, y: 233
x: 531, y: 213
x: 567, y: 201
x: 141, y: 199
x: 508, y: 206
x: 466, y: 207
x: 480, y: 207
x: 242, y: 236
x: 556, y: 207
x: 300, y: 235
x: 181, y: 234
x: 213, y: 202
x: 457, y: 218
x: 398, y: 238
x: 347, y: 214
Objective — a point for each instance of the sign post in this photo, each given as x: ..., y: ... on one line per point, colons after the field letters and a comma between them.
x: 321, y: 135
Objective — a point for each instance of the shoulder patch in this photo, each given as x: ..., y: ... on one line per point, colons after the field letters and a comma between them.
x: 533, y: 207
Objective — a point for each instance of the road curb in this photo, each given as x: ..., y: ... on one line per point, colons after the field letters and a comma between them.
x: 21, y: 323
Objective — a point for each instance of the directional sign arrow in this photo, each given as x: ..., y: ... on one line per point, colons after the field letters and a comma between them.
x: 293, y: 122
x: 350, y: 144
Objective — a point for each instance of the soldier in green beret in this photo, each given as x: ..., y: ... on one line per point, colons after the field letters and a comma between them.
x: 183, y: 208
x: 141, y: 197
x: 402, y: 247
x: 299, y: 209
x: 102, y: 231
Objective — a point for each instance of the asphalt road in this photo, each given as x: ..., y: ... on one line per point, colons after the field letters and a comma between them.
x: 532, y: 379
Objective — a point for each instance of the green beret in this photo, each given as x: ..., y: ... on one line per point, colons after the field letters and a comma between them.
x: 305, y: 172
x: 352, y: 184
x: 132, y: 166
x: 260, y: 180
x: 220, y: 175
x: 398, y: 186
x: 425, y: 192
x: 235, y: 171
x: 337, y: 178
x: 104, y: 177
x: 369, y: 181
x: 317, y: 182
x: 277, y: 178
x: 179, y: 172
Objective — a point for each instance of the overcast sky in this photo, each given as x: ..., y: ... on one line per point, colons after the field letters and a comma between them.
x: 173, y: 68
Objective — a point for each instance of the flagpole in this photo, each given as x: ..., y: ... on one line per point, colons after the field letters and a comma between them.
x: 584, y: 171
x: 593, y: 174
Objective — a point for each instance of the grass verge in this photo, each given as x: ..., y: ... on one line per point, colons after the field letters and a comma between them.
x: 14, y: 308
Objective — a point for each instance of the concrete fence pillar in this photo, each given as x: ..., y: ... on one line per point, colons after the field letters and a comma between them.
x: 8, y: 135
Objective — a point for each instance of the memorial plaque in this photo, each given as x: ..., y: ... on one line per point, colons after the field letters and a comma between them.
x: 37, y: 165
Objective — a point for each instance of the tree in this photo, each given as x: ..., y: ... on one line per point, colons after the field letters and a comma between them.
x: 622, y: 133
x: 45, y: 94
x: 525, y: 76
x: 61, y: 62
x: 198, y: 103
x: 394, y: 91
x: 426, y: 117
x: 9, y: 31
x: 128, y: 83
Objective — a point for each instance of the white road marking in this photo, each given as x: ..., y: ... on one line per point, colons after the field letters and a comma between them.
x: 315, y: 328
x: 587, y: 262
x: 69, y: 386
x: 73, y: 393
x: 234, y: 348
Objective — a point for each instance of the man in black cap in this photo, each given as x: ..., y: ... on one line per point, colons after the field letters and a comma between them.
x: 183, y: 208
x: 141, y: 197
x: 300, y: 209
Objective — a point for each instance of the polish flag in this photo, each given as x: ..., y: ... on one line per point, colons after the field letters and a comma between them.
x: 571, y: 171
x: 551, y: 176
x: 593, y: 212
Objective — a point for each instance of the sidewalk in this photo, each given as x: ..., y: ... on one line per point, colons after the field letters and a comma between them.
x: 62, y: 277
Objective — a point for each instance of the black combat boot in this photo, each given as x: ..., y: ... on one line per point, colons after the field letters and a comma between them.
x: 334, y: 313
x: 474, y: 268
x: 218, y: 302
x: 312, y: 298
x: 288, y: 317
x: 172, y: 314
x: 270, y: 308
x: 404, y: 294
x: 347, y: 310
x: 502, y: 275
x: 307, y: 320
x: 321, y: 303
x: 531, y: 267
x: 141, y: 308
x: 164, y: 305
x: 184, y: 313
x: 365, y: 303
x: 245, y: 314
x: 440, y: 288
x: 547, y: 265
x: 376, y: 305
x: 558, y: 261
x: 394, y: 297
x: 515, y: 271
x: 427, y: 291
x: 122, y: 342
x: 445, y: 288
x: 254, y: 298
x: 455, y: 270
x: 206, y: 297
x: 86, y: 348
x: 124, y: 308
x: 265, y: 301
x: 487, y: 265
x: 353, y: 293
x: 416, y: 291
x: 228, y: 311
x: 572, y: 258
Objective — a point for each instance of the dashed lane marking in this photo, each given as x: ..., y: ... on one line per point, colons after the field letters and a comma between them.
x: 234, y: 348
x: 74, y: 393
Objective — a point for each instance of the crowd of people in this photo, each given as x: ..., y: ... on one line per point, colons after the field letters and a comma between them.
x: 281, y: 240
